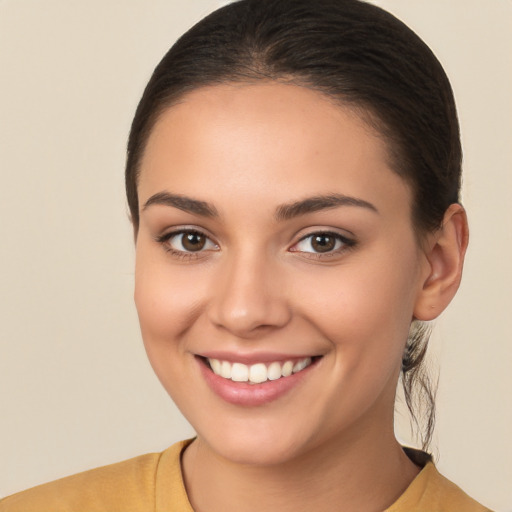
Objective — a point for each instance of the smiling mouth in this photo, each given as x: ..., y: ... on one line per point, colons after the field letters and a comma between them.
x: 260, y: 372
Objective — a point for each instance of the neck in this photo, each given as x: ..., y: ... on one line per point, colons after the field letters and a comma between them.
x: 367, y: 474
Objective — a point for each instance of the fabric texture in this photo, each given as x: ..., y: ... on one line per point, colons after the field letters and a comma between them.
x: 154, y: 483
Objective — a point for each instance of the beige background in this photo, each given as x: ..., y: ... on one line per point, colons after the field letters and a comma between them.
x: 75, y: 388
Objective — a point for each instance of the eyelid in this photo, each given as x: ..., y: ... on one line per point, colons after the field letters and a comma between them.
x: 344, y: 234
x: 170, y: 231
x: 347, y: 243
x: 164, y: 239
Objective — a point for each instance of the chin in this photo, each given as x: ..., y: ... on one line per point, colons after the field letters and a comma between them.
x: 260, y: 445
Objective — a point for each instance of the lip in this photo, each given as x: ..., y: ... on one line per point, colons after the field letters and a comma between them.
x: 252, y: 395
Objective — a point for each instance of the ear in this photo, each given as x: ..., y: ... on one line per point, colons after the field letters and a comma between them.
x: 444, y: 252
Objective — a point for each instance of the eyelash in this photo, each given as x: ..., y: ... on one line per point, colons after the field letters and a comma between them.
x: 164, y: 240
x: 346, y: 244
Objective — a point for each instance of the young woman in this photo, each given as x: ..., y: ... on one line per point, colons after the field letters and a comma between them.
x: 293, y: 178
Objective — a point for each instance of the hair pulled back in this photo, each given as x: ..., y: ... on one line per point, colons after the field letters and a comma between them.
x: 357, y: 54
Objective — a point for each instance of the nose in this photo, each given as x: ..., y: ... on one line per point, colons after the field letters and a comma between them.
x: 249, y: 297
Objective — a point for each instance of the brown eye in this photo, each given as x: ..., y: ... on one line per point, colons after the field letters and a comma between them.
x: 193, y: 241
x: 323, y: 243
x: 187, y: 242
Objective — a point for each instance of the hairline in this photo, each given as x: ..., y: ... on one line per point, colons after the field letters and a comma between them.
x: 364, y: 112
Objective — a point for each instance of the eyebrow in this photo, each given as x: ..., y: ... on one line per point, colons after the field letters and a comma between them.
x: 184, y: 203
x: 282, y: 213
x: 318, y: 203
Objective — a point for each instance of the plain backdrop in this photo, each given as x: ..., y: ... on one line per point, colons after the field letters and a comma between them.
x: 76, y: 390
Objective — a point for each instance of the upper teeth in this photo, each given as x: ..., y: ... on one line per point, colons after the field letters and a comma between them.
x: 259, y: 372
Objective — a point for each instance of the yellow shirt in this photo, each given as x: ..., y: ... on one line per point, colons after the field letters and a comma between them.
x: 154, y: 482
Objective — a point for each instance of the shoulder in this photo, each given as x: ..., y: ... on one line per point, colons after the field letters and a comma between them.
x: 452, y: 496
x: 128, y: 486
x: 432, y: 491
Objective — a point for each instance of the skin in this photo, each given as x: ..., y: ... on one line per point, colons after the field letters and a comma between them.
x: 258, y: 286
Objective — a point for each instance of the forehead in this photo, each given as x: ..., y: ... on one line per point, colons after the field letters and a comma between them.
x: 272, y: 140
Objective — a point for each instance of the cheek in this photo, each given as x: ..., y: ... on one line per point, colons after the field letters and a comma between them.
x: 168, y: 299
x: 365, y: 317
x: 168, y: 303
x: 364, y: 308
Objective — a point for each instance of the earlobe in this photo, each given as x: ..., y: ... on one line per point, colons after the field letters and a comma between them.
x: 445, y: 255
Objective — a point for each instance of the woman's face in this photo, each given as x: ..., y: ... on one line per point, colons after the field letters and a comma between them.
x: 273, y: 234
